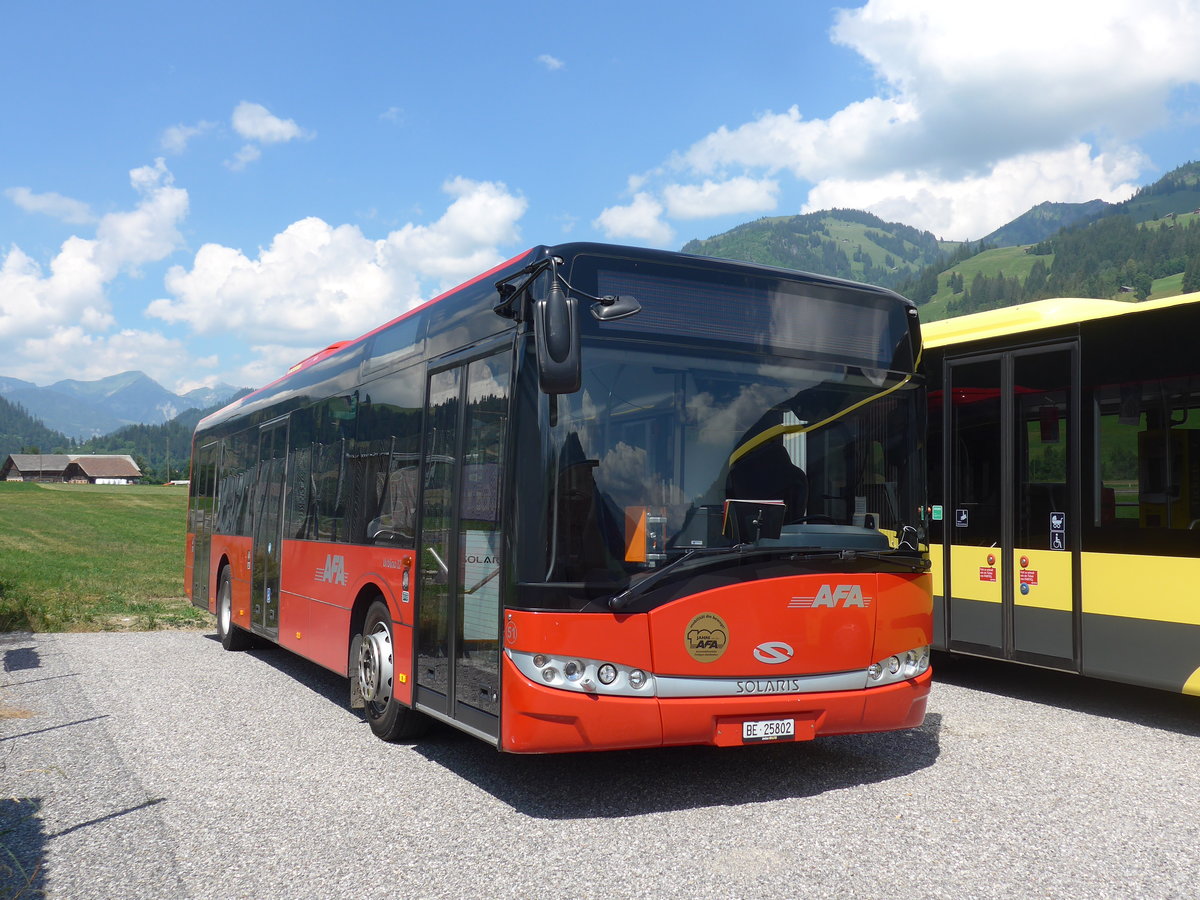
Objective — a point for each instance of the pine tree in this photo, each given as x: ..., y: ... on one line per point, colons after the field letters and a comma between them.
x: 1191, y: 275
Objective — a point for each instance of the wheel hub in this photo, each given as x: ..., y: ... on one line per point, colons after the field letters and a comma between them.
x: 375, y: 665
x: 224, y: 611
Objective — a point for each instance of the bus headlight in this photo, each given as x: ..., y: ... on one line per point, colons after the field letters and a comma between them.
x: 591, y: 676
x: 898, y: 667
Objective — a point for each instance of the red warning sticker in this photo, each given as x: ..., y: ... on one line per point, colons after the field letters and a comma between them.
x: 987, y: 573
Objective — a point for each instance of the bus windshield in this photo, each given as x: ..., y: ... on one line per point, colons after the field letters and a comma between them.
x: 641, y: 461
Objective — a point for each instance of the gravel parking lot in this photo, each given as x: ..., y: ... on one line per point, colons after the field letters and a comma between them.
x: 158, y: 766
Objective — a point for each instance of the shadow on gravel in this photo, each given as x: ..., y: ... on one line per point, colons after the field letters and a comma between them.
x: 616, y: 784
x: 22, y: 848
x: 318, y: 679
x: 1127, y: 703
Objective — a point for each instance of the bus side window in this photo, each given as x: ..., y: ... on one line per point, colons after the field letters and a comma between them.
x: 385, y: 458
x: 333, y: 428
x: 1149, y: 455
x: 299, y: 502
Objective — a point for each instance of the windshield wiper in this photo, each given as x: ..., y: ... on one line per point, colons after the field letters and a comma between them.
x: 631, y: 593
x: 896, y: 556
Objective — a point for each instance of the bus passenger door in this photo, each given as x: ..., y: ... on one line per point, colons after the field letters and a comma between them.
x: 268, y: 523
x: 974, y: 520
x: 1012, y: 535
x: 458, y: 601
x: 201, y: 518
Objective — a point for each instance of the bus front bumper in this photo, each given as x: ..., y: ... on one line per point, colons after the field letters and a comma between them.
x: 540, y: 719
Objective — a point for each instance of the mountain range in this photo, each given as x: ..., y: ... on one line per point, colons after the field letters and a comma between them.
x: 1146, y: 246
x: 87, y: 409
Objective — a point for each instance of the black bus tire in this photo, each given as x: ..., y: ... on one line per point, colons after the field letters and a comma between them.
x: 232, y: 637
x: 389, y: 719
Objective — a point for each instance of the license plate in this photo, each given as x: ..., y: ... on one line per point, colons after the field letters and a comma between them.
x: 769, y: 730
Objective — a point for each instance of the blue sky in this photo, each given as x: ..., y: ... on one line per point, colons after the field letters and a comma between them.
x: 210, y: 192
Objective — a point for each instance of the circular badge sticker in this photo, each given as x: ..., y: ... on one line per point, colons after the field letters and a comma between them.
x: 706, y: 637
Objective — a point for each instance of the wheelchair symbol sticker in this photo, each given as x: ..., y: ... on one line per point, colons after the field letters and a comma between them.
x: 1058, y: 531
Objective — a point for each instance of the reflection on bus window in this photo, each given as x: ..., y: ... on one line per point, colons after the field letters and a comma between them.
x: 632, y: 490
x: 1149, y: 455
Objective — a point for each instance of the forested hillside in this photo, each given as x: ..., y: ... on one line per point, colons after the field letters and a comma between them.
x: 22, y: 433
x: 1113, y: 257
x: 161, y: 451
x: 845, y: 243
x: 1044, y: 220
x: 1148, y: 246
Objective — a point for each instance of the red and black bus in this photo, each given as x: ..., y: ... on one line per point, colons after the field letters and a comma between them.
x: 598, y: 497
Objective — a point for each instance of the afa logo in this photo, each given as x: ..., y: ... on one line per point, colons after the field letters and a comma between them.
x: 843, y: 595
x: 706, y: 637
x: 334, y: 570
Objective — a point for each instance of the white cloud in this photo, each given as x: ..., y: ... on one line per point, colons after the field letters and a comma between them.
x: 148, y: 233
x: 270, y: 362
x: 74, y: 352
x: 967, y: 102
x: 810, y: 149
x: 34, y: 303
x: 73, y: 212
x: 248, y: 154
x: 176, y: 138
x: 640, y: 220
x: 254, y: 122
x: 550, y: 62
x: 712, y: 198
x: 463, y: 242
x: 317, y: 283
x: 1043, y: 74
x: 969, y: 208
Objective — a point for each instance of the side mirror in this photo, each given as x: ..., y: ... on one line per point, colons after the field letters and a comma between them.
x: 556, y: 331
x: 609, y: 309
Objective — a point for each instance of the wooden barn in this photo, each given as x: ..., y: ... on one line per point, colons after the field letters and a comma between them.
x: 73, y: 468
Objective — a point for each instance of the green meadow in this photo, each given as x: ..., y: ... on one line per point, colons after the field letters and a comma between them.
x: 93, y: 558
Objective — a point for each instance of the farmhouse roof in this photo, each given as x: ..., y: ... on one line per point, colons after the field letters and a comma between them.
x: 94, y: 466
x: 39, y: 462
x: 107, y: 466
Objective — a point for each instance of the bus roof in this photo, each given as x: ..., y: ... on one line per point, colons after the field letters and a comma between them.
x: 346, y: 348
x: 1036, y: 315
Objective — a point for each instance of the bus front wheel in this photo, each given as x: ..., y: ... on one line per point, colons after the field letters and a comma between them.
x: 232, y: 637
x: 388, y: 718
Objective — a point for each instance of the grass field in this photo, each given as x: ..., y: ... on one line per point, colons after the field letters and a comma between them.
x: 92, y: 558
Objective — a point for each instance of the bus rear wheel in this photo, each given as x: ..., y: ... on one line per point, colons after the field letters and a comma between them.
x: 389, y: 719
x: 232, y: 637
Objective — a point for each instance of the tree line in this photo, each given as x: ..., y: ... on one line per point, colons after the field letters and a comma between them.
x: 1108, y: 258
x: 160, y: 451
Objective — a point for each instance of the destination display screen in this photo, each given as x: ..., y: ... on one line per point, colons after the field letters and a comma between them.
x: 846, y: 324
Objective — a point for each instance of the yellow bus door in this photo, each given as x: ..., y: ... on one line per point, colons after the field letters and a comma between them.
x: 1012, y: 521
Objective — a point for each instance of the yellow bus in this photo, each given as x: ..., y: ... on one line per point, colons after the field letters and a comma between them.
x: 1064, y: 447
